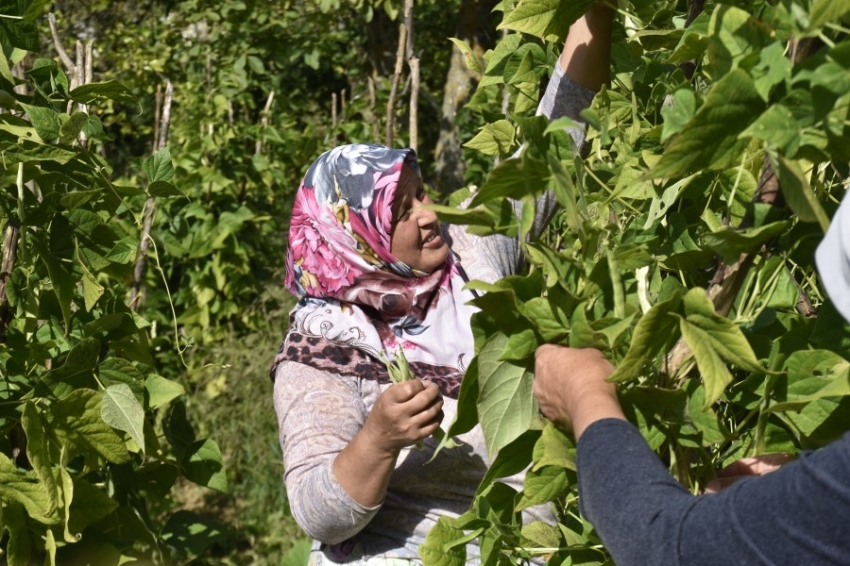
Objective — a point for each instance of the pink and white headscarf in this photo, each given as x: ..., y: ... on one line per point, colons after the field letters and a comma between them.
x: 357, y: 301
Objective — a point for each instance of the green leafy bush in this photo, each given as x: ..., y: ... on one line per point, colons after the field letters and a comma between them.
x: 684, y: 251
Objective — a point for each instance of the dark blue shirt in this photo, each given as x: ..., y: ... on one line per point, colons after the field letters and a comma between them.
x: 799, y: 514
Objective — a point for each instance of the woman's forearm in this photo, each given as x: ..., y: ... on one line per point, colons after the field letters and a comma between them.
x: 364, y: 471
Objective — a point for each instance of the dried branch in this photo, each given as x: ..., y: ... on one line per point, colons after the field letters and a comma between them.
x: 57, y: 43
x: 10, y: 255
x: 373, y: 101
x: 150, y: 208
x: 333, y: 118
x: 399, y: 63
x: 264, y: 122
x: 413, y: 64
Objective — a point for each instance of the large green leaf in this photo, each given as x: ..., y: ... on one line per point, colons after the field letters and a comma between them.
x: 542, y: 485
x: 497, y: 138
x: 710, y: 139
x: 826, y: 11
x: 513, y: 178
x: 506, y: 406
x: 76, y: 421
x: 89, y: 505
x: 799, y: 194
x: 715, y: 375
x: 203, y: 464
x: 120, y: 409
x: 158, y: 167
x: 554, y: 448
x: 99, y: 93
x: 437, y: 549
x: 24, y: 488
x: 38, y: 453
x: 654, y: 329
x: 162, y: 391
x: 543, y: 18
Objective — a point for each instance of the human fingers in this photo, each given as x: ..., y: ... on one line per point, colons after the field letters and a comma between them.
x: 747, y: 467
x: 755, y: 466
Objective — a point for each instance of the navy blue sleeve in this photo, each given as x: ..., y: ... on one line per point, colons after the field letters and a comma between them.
x: 800, y: 512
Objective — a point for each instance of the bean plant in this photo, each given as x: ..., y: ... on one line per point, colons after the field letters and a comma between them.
x: 683, y: 249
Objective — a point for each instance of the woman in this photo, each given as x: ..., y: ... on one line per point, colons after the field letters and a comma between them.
x: 375, y: 272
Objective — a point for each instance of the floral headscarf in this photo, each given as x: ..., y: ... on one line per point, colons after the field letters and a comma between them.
x: 357, y: 301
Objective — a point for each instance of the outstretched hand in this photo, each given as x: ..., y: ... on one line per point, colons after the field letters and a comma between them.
x: 404, y: 414
x: 570, y: 385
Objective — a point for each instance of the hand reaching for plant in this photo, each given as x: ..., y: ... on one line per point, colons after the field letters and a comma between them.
x: 572, y: 388
x: 404, y: 414
x: 747, y: 467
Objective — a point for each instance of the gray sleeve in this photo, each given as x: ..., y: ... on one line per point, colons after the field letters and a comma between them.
x: 492, y: 257
x: 318, y: 413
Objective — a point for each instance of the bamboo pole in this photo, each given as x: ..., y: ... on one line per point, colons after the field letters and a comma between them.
x: 150, y: 208
x: 399, y: 65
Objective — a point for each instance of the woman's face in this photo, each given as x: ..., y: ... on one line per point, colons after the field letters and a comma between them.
x: 417, y: 239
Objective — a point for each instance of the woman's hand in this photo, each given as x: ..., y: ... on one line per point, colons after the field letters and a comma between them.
x: 570, y: 385
x: 403, y: 415
x: 747, y: 467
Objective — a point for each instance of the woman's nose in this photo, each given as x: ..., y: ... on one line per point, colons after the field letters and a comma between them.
x: 425, y: 216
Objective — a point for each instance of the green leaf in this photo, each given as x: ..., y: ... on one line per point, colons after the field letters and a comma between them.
x: 38, y: 453
x: 710, y: 139
x: 24, y: 488
x: 679, y: 113
x: 80, y: 360
x: 162, y: 391
x: 44, y: 120
x: 798, y: 193
x: 520, y: 346
x: 731, y: 243
x: 542, y: 486
x: 76, y: 421
x: 14, y: 519
x: 654, y: 329
x: 92, y: 290
x: 824, y: 12
x: 437, y: 549
x: 120, y: 409
x: 89, y: 505
x: 497, y: 138
x: 554, y: 448
x: 542, y: 534
x: 164, y: 189
x: 734, y: 35
x: 714, y: 373
x: 772, y: 69
x: 512, y: 459
x: 124, y: 251
x: 73, y: 126
x: 725, y: 336
x: 62, y: 279
x: 542, y: 18
x: 191, y: 533
x: 472, y: 61
x: 811, y: 375
x: 203, y: 465
x: 777, y: 128
x: 513, y: 178
x: 506, y: 406
x: 158, y: 167
x: 99, y: 93
x: 464, y: 216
